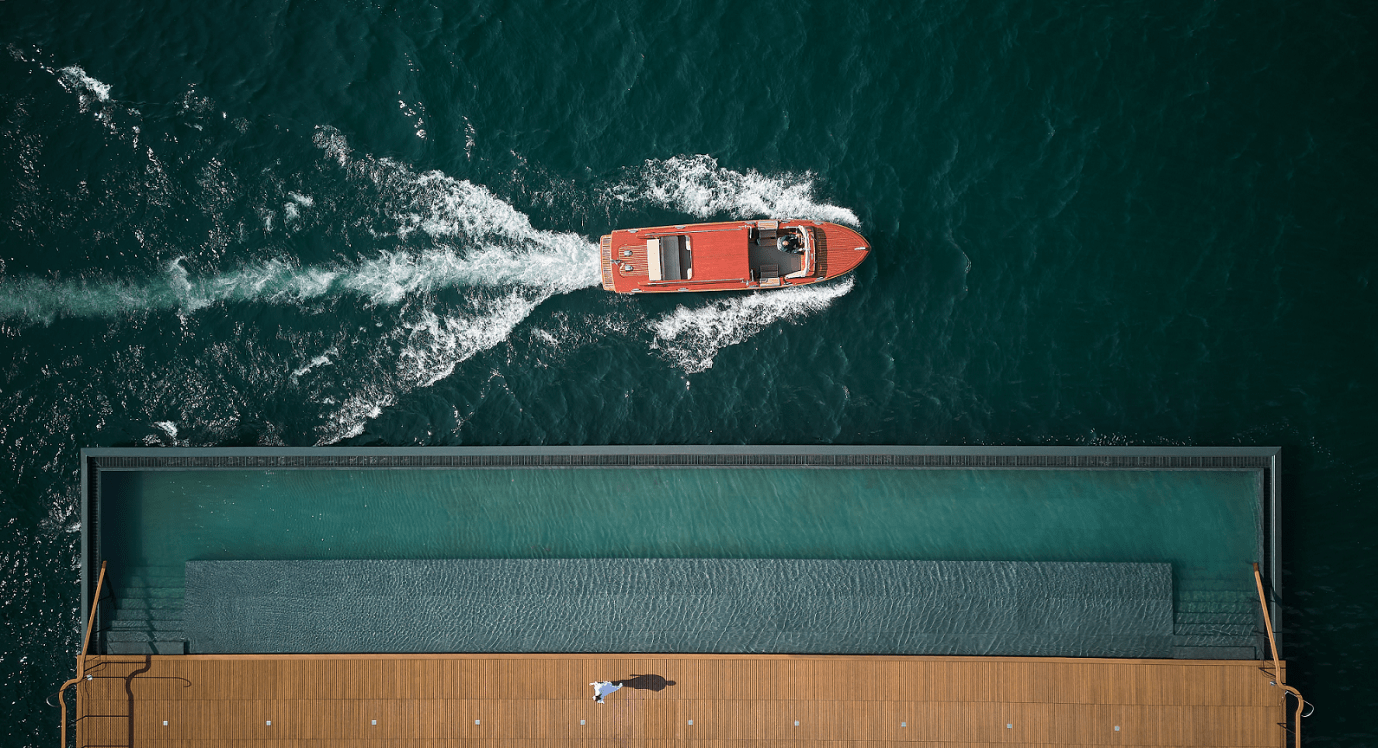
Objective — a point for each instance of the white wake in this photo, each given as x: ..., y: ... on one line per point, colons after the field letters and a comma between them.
x: 698, y: 186
x: 690, y: 337
x: 461, y: 270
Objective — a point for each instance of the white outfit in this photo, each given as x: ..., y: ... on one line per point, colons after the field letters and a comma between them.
x: 603, y: 688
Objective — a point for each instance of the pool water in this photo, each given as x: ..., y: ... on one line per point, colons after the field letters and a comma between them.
x: 763, y: 606
x: 1205, y: 523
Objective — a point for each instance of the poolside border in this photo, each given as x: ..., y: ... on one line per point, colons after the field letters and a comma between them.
x: 1264, y: 459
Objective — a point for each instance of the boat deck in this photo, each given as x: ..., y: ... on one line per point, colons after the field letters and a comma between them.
x: 701, y: 700
x: 723, y: 259
x: 762, y: 253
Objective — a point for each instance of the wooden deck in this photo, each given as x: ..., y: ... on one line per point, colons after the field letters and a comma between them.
x: 534, y: 701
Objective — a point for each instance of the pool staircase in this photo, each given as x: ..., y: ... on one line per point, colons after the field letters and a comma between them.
x: 1214, y: 620
x: 147, y: 616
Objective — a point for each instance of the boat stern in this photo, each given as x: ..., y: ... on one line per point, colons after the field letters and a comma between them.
x: 605, y: 263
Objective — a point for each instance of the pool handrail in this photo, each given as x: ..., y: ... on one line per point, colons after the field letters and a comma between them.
x: 81, y: 657
x: 1278, y: 679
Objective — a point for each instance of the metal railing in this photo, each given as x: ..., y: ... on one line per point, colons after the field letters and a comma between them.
x: 81, y: 657
x: 1278, y: 679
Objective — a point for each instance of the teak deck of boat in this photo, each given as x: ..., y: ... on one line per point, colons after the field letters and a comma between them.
x: 732, y: 701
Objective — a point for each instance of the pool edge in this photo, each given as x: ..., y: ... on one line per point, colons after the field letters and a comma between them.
x: 1265, y: 459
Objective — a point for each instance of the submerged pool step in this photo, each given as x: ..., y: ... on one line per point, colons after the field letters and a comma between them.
x: 1209, y: 618
x: 681, y: 605
x: 142, y: 637
x: 150, y: 647
x: 136, y: 596
x: 148, y: 610
x: 147, y: 614
x: 163, y: 602
x: 1218, y: 624
x: 1216, y: 605
x: 169, y: 623
x: 142, y: 576
x: 1216, y: 619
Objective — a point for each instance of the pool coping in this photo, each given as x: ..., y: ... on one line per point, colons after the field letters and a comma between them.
x: 1267, y: 460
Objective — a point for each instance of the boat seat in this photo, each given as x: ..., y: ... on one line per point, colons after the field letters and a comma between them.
x: 770, y: 275
x: 668, y: 258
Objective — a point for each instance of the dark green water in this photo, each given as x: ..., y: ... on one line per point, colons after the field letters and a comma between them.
x: 271, y: 223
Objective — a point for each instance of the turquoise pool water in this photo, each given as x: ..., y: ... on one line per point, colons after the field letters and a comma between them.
x: 1205, y: 523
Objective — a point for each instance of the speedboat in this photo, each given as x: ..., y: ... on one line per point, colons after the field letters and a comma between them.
x: 728, y: 256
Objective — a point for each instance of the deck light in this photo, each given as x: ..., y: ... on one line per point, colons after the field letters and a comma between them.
x: 475, y: 721
x: 165, y: 723
x: 375, y: 723
x: 1117, y: 728
x: 1009, y: 727
x: 904, y: 724
x: 691, y: 723
x: 269, y: 723
x: 796, y: 723
x: 581, y: 721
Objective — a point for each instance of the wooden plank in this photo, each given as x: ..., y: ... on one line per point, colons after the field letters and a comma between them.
x: 538, y: 701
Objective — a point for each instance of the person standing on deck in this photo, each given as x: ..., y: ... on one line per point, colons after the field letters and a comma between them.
x: 603, y: 688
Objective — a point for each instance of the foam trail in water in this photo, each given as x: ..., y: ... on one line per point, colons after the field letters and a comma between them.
x: 432, y: 345
x: 385, y: 279
x: 698, y: 186
x: 435, y: 344
x: 691, y: 337
x: 515, y: 265
x: 88, y: 90
x: 430, y: 232
x: 447, y: 234
x: 494, y: 245
x: 443, y: 207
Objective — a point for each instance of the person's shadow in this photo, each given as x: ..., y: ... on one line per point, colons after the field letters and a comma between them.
x: 646, y: 682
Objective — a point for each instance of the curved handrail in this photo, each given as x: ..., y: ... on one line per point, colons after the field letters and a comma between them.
x: 1277, y: 666
x: 81, y: 658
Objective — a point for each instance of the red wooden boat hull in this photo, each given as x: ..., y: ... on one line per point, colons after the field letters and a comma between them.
x: 728, y: 256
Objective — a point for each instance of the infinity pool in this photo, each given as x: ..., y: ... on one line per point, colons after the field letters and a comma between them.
x: 1206, y: 523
